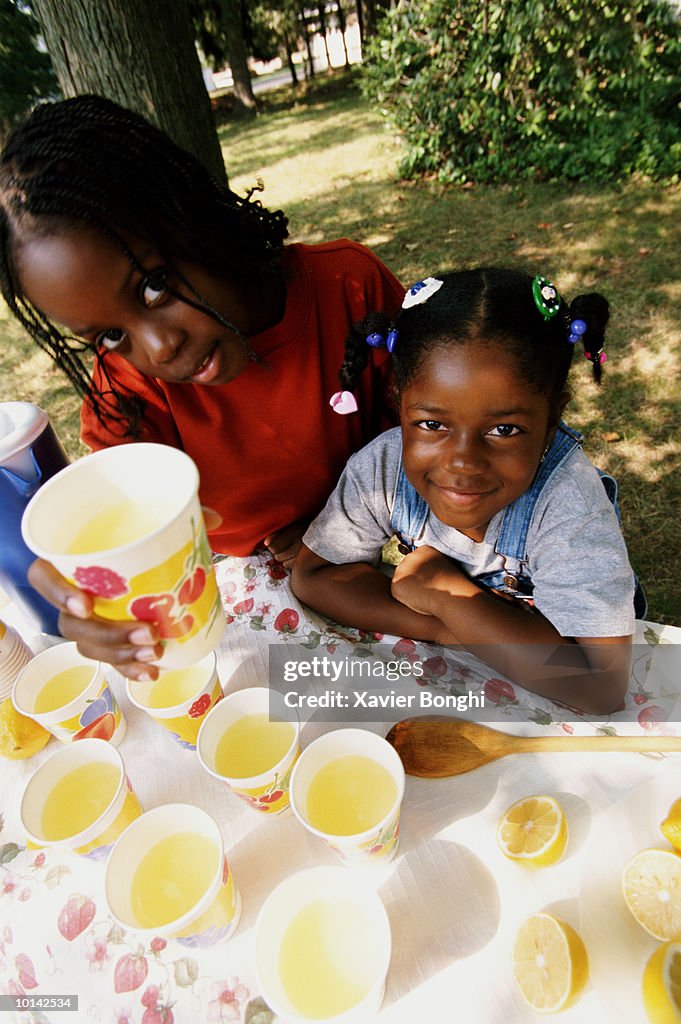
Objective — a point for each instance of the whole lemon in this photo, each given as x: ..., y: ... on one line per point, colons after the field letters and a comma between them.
x: 671, y: 826
x: 19, y: 736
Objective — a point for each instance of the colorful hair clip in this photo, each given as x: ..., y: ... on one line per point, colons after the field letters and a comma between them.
x: 343, y: 402
x: 546, y: 297
x: 577, y: 329
x: 375, y: 340
x: 602, y: 357
x: 391, y: 340
x: 421, y: 292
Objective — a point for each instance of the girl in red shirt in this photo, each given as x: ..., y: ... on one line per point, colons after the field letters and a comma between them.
x: 180, y: 316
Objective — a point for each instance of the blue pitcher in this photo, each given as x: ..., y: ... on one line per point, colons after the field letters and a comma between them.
x: 30, y: 453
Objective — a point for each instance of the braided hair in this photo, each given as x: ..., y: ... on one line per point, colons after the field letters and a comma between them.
x: 488, y: 304
x: 88, y: 162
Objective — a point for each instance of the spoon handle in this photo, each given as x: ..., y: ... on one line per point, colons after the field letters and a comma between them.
x: 639, y: 744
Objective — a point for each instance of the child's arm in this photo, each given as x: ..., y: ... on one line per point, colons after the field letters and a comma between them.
x: 591, y: 674
x: 358, y: 595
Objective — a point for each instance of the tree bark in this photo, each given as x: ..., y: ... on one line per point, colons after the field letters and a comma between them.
x: 141, y: 54
x: 238, y: 57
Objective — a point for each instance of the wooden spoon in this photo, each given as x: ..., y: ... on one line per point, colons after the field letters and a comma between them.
x: 438, y: 747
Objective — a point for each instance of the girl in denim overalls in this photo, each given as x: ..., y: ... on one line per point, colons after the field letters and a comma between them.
x: 512, y: 538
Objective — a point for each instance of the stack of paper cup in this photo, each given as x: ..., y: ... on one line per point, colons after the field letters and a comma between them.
x: 14, y: 655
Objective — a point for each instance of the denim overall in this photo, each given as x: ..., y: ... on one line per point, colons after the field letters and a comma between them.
x: 410, y: 512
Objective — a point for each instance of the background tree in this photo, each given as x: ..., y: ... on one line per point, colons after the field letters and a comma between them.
x: 571, y: 90
x: 143, y: 56
x: 224, y: 34
x: 369, y: 13
x: 26, y: 73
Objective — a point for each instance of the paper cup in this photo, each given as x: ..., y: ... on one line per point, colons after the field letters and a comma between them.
x: 94, y: 834
x: 93, y: 713
x: 377, y: 843
x: 14, y: 655
x: 183, y: 720
x: 322, y: 948
x: 268, y: 789
x: 125, y: 525
x: 212, y: 917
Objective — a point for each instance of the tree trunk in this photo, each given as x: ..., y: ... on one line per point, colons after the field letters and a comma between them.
x: 288, y: 46
x: 141, y: 55
x: 238, y: 57
x: 308, y: 44
x: 360, y: 22
x: 321, y: 11
x: 342, y: 25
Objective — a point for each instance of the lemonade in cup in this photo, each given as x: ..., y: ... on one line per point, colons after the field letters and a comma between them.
x: 168, y: 875
x: 180, y: 698
x: 347, y: 788
x: 251, y: 741
x: 79, y: 799
x: 322, y: 948
x: 69, y: 695
x: 125, y: 525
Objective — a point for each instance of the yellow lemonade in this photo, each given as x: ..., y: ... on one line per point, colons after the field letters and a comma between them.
x: 120, y: 524
x: 322, y: 959
x: 350, y: 795
x: 252, y: 745
x: 78, y: 799
x: 63, y: 688
x: 176, y: 686
x: 172, y: 877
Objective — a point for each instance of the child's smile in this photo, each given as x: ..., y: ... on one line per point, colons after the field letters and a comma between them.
x: 473, y: 434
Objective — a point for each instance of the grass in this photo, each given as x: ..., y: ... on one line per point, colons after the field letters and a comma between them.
x: 326, y: 158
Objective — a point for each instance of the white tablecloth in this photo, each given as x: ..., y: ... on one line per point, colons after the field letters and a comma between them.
x: 453, y: 900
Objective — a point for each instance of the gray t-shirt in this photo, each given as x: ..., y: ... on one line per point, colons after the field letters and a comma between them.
x: 577, y: 559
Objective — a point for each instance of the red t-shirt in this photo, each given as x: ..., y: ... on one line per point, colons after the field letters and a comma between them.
x: 268, y: 446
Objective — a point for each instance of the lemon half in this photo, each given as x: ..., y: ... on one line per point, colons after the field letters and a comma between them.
x: 651, y: 885
x: 671, y: 826
x: 662, y: 985
x: 550, y: 963
x: 534, y: 830
x: 19, y: 736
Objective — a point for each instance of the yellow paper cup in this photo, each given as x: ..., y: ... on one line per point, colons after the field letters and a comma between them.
x: 267, y: 788
x: 322, y: 948
x: 376, y: 844
x: 201, y: 688
x: 90, y: 713
x: 125, y: 525
x: 146, y: 902
x: 96, y: 801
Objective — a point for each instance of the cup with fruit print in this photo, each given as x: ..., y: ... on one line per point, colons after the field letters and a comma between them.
x: 125, y: 525
x: 180, y: 698
x: 347, y: 788
x: 69, y: 695
x: 79, y: 799
x: 167, y: 875
x: 251, y: 741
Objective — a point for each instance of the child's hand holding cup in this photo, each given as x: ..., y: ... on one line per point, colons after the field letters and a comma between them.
x: 125, y: 526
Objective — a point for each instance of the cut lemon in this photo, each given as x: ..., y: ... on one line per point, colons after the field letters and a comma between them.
x: 534, y: 830
x: 19, y: 736
x: 550, y: 963
x: 671, y: 826
x: 662, y: 985
x: 651, y: 885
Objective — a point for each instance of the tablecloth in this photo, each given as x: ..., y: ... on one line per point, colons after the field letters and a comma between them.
x: 453, y: 900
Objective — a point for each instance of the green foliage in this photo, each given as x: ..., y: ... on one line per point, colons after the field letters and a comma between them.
x: 498, y: 91
x: 26, y: 73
